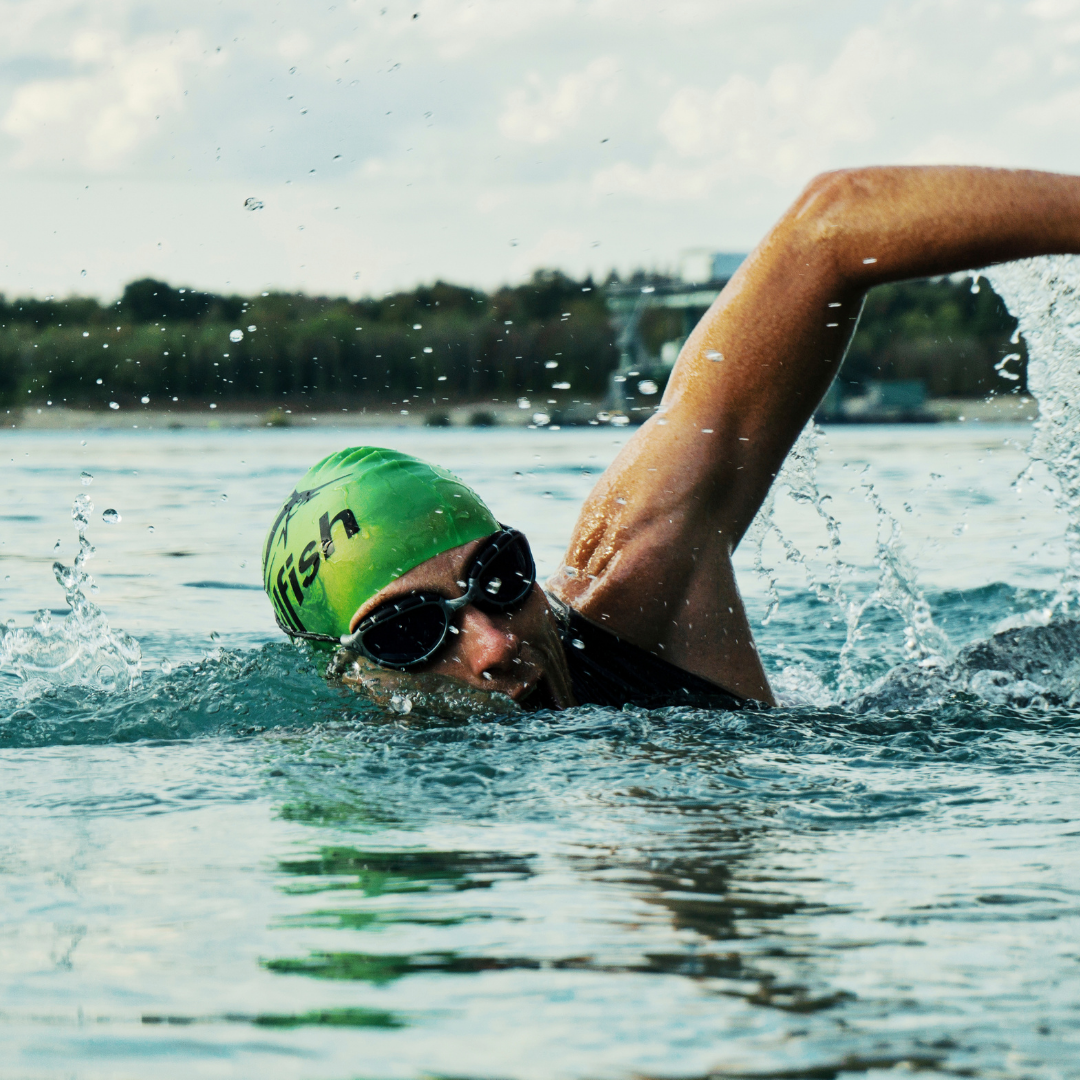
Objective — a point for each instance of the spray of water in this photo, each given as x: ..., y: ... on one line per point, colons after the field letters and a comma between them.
x: 80, y: 648
x: 1044, y: 296
x: 896, y: 589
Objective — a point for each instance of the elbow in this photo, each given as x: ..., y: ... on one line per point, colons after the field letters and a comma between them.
x: 833, y: 217
x: 831, y: 200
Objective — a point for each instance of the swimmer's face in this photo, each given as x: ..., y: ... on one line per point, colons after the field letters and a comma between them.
x: 516, y: 653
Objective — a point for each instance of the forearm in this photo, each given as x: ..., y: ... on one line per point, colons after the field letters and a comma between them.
x: 784, y: 322
x: 757, y: 365
x: 886, y: 224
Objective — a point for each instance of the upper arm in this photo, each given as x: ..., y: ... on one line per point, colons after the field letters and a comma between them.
x: 652, y: 547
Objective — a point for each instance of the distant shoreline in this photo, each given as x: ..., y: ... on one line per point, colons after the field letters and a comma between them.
x: 1004, y: 409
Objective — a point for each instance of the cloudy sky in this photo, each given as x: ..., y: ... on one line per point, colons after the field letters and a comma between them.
x: 395, y: 142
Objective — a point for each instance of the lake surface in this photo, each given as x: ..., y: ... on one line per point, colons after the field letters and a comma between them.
x: 229, y: 868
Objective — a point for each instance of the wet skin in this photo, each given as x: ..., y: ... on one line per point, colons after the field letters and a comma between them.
x: 651, y: 554
x: 516, y: 653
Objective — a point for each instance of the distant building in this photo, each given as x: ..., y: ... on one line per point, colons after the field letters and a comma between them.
x: 645, y: 363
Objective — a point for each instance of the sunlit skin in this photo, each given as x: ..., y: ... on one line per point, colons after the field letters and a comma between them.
x: 516, y: 653
x: 651, y: 553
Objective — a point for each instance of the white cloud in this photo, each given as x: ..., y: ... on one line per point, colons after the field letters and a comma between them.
x: 660, y: 182
x: 540, y: 112
x: 1059, y: 113
x: 416, y: 148
x: 98, y: 119
x: 1052, y: 9
x: 788, y: 124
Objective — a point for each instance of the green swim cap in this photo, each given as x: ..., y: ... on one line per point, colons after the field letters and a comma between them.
x: 357, y: 521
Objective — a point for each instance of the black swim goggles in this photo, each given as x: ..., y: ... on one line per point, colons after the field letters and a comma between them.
x: 406, y: 633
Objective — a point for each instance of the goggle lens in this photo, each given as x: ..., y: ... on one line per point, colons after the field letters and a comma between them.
x: 506, y: 578
x: 406, y: 633
x: 407, y: 638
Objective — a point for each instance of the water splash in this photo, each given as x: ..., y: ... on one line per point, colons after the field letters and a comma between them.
x: 897, y: 587
x: 1044, y: 296
x: 80, y: 649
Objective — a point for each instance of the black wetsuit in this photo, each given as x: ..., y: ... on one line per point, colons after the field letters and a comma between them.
x: 605, y: 670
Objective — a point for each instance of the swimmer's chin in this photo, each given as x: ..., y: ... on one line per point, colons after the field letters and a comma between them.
x: 424, y: 691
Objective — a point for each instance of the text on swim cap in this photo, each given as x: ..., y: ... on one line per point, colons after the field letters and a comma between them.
x: 309, y: 564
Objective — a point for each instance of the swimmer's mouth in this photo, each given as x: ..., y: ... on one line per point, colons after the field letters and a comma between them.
x: 526, y: 690
x: 535, y: 695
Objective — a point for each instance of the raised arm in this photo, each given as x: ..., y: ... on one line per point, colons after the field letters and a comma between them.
x: 651, y: 553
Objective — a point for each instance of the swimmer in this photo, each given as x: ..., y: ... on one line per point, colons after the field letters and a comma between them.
x: 404, y: 567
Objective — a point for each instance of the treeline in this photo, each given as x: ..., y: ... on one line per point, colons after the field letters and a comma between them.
x: 443, y: 341
x: 953, y: 335
x: 169, y: 343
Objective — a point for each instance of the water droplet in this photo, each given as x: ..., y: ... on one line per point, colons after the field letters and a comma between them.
x: 145, y: 399
x: 715, y: 356
x: 224, y: 498
x: 706, y: 431
x: 252, y: 329
x: 87, y: 479
x: 113, y: 405
x: 236, y: 335
x: 577, y: 643
x: 82, y: 273
x: 166, y: 667
x: 540, y: 419
x: 620, y: 501
x: 619, y: 420
x: 56, y: 547
x: 867, y: 262
x: 251, y: 203
x: 487, y: 675
x: 111, y: 517
x: 98, y: 381
x: 212, y: 406
x: 401, y: 704
x: 441, y: 378
x: 86, y: 333
x: 150, y: 529
x: 493, y: 586
x: 647, y: 386
x: 551, y: 365
x: 523, y: 403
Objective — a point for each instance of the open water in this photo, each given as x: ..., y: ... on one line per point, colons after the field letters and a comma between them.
x: 215, y: 864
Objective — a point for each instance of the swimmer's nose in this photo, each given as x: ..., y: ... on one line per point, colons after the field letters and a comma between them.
x: 485, y: 646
